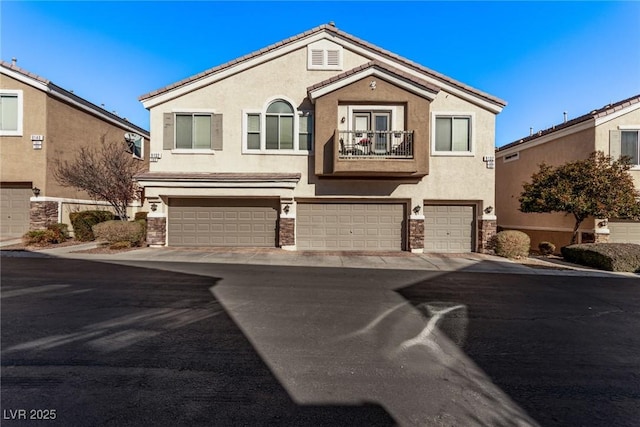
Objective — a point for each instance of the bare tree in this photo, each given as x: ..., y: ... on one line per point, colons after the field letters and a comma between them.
x: 106, y: 172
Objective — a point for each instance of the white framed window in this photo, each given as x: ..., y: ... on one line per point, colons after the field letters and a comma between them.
x: 452, y: 134
x: 278, y: 129
x: 11, y: 115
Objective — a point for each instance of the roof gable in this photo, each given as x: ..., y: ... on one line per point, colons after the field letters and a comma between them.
x: 330, y: 32
x: 45, y: 85
x: 374, y: 68
x: 597, y: 116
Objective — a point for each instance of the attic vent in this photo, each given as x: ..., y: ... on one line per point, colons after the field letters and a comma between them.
x: 317, y: 57
x: 511, y: 157
x: 324, y: 55
x: 333, y: 58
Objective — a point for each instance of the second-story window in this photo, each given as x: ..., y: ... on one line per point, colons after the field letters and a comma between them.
x: 193, y: 131
x: 279, y: 126
x: 279, y: 129
x: 453, y: 134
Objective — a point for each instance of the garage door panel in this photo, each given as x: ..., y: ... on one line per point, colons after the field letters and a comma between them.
x: 222, y: 222
x: 349, y: 226
x: 624, y: 231
x: 15, y: 204
x: 449, y: 228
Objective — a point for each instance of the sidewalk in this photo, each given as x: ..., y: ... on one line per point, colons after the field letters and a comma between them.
x: 472, y: 262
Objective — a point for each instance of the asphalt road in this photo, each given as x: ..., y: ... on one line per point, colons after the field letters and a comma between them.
x: 93, y: 343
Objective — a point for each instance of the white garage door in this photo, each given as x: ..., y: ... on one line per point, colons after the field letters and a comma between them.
x: 349, y: 226
x: 14, y: 209
x: 222, y: 222
x: 624, y: 232
x: 448, y: 228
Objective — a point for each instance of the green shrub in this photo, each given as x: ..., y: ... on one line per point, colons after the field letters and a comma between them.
x: 120, y: 231
x: 82, y: 223
x: 605, y: 256
x: 511, y: 244
x: 53, y: 234
x: 546, y: 248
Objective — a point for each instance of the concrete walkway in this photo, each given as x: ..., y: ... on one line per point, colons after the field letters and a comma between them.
x: 277, y: 257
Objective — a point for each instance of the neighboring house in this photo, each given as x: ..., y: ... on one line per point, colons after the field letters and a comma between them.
x: 41, y: 122
x: 613, y: 129
x: 322, y: 142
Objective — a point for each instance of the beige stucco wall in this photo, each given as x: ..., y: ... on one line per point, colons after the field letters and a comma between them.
x: 19, y: 161
x: 510, y: 177
x: 631, y: 119
x: 69, y: 129
x: 450, y: 177
x: 65, y: 129
x: 557, y: 150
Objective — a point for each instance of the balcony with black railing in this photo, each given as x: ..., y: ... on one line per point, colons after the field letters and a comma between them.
x: 377, y: 145
x: 370, y: 153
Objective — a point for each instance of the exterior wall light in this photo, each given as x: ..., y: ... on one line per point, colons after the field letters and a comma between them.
x: 286, y: 209
x: 154, y: 207
x: 36, y: 191
x: 488, y: 210
x: 416, y: 209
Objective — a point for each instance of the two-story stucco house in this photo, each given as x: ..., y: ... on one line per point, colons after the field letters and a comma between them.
x: 39, y: 123
x: 322, y: 142
x: 613, y: 129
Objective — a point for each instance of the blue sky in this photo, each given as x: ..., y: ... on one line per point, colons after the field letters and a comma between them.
x: 543, y: 58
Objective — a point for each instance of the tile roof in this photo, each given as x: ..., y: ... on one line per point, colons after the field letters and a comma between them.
x: 594, y: 114
x: 376, y: 64
x: 331, y: 29
x: 57, y: 89
x: 218, y: 176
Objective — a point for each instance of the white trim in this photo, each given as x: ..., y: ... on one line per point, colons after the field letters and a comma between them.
x: 97, y: 111
x: 371, y: 72
x: 488, y: 217
x: 547, y: 138
x: 418, y: 217
x: 393, y: 109
x: 472, y: 142
x: 165, y: 96
x: 325, y: 46
x: 20, y: 113
x: 263, y: 126
x: 156, y: 214
x: 616, y: 114
x: 629, y: 127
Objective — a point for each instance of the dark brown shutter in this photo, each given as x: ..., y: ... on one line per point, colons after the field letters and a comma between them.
x: 167, y: 135
x: 216, y: 131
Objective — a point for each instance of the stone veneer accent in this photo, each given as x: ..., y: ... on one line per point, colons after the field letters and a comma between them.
x: 601, y: 238
x: 486, y: 230
x: 42, y: 214
x: 286, y: 232
x: 416, y: 234
x: 156, y: 231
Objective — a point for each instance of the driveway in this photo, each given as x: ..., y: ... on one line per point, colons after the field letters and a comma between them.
x: 175, y: 343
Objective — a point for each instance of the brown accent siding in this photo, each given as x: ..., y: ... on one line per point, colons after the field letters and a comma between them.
x: 416, y: 119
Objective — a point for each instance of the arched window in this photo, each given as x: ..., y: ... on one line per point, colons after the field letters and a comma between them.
x: 279, y: 126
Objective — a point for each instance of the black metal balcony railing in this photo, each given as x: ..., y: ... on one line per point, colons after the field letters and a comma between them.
x: 375, y: 144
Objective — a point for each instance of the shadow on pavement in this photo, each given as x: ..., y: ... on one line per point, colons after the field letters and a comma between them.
x: 137, y: 346
x: 565, y: 349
